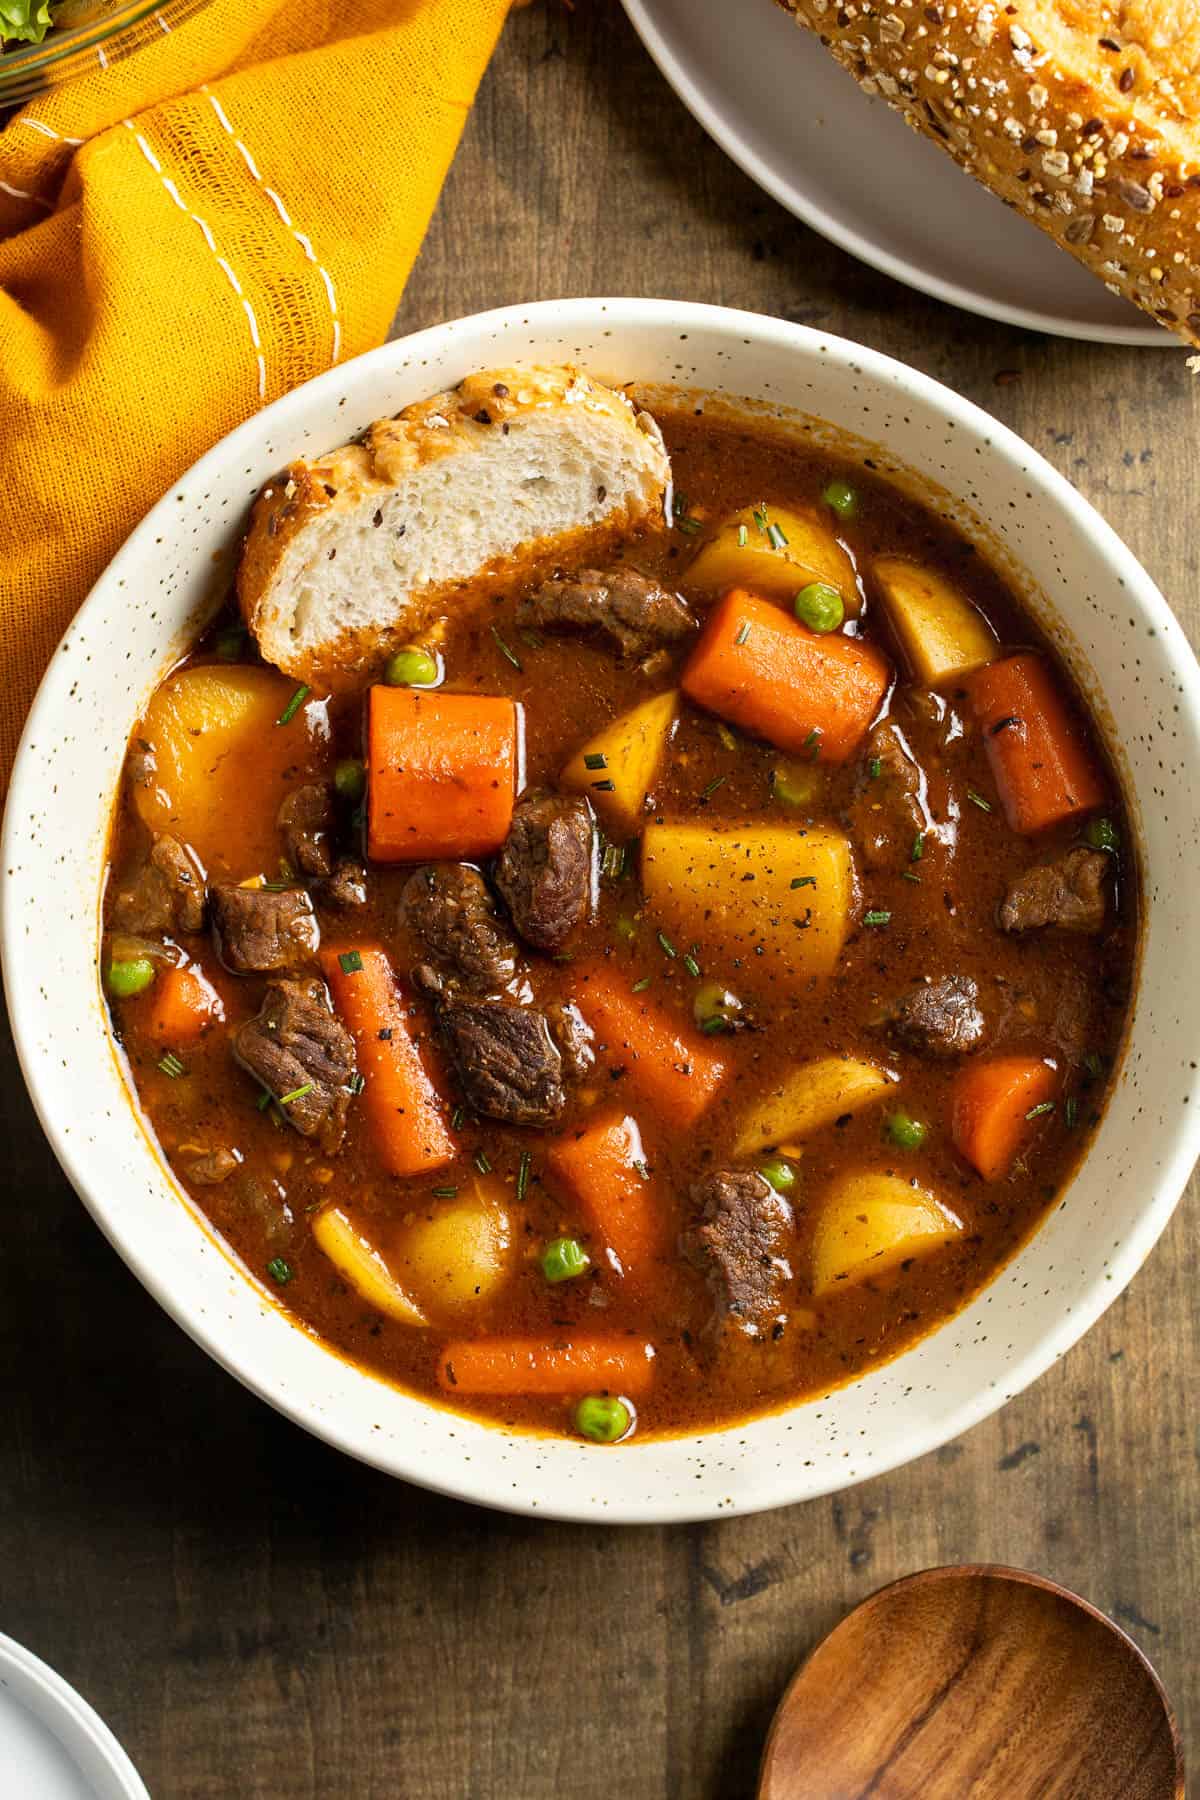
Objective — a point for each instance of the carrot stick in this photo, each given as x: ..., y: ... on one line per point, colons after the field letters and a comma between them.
x: 676, y: 1075
x: 760, y: 668
x: 604, y: 1166
x: 183, y: 1006
x: 402, y: 1105
x: 441, y: 774
x: 581, y: 1365
x: 1039, y: 756
x: 990, y: 1104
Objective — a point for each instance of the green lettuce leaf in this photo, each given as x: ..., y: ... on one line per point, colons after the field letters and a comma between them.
x: 24, y: 21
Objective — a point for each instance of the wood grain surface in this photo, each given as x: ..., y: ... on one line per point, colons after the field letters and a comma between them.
x: 259, y: 1618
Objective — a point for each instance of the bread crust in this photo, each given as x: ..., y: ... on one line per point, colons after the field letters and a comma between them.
x: 1082, y: 114
x: 458, y: 420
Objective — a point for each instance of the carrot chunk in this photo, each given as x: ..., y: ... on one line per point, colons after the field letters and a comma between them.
x: 402, y: 1105
x: 990, y: 1107
x: 604, y: 1166
x: 182, y: 1006
x: 1039, y: 756
x: 580, y: 1365
x: 676, y: 1075
x: 441, y: 774
x: 761, y: 669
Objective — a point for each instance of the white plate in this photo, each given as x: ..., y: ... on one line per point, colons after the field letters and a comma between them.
x: 780, y: 106
x: 52, y: 1745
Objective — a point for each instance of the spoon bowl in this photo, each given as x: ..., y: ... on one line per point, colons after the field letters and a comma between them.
x: 976, y: 1680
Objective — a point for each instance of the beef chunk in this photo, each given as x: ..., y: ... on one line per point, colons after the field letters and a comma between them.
x: 306, y: 820
x: 165, y: 894
x: 507, y: 1062
x: 885, y: 814
x: 1069, y: 894
x: 211, y: 1167
x: 629, y: 609
x: 297, y: 1047
x: 940, y: 1019
x: 739, y: 1241
x: 345, y: 889
x: 259, y: 932
x: 447, y: 906
x: 573, y: 1035
x: 544, y: 871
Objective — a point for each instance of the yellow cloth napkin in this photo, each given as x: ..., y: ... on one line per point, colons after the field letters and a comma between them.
x: 186, y: 234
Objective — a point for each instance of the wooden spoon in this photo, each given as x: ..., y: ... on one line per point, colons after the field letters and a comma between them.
x: 974, y: 1683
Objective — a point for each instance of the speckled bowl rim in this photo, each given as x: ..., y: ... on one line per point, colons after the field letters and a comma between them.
x: 475, y: 1461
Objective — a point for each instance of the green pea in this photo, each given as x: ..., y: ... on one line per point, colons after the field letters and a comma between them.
x: 230, y: 643
x: 819, y: 606
x: 124, y: 979
x: 905, y: 1132
x: 413, y: 667
x: 603, y: 1418
x: 350, y: 779
x: 714, y: 1008
x: 795, y: 786
x: 842, y: 498
x: 563, y: 1259
x: 1102, y: 834
x: 780, y: 1174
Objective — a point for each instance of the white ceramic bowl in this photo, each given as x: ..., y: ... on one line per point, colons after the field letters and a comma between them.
x: 1112, y: 625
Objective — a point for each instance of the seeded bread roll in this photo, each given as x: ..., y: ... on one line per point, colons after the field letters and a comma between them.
x: 1083, y: 114
x: 350, y: 553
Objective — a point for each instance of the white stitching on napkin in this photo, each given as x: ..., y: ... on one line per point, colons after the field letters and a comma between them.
x: 206, y: 233
x: 304, y: 242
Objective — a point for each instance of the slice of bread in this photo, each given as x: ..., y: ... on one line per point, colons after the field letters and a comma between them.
x: 347, y: 556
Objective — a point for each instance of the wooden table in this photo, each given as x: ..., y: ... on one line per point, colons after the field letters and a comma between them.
x: 259, y: 1617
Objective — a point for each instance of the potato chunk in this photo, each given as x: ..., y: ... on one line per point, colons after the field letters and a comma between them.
x: 869, y: 1222
x: 363, y: 1266
x: 616, y: 768
x: 942, y: 634
x: 778, y: 897
x: 777, y: 564
x: 221, y: 764
x: 455, y: 1259
x: 813, y: 1095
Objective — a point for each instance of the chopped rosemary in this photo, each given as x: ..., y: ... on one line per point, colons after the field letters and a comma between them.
x: 1035, y: 1112
x: 350, y: 962
x: 1072, y: 1112
x: 595, y: 759
x: 639, y: 987
x: 692, y: 966
x: 171, y: 1065
x: 1094, y: 1065
x: 760, y: 516
x: 726, y: 737
x: 776, y: 538
x: 508, y: 653
x: 357, y: 1082
x: 743, y: 632
x: 813, y: 739
x: 689, y: 526
x: 876, y: 918
x: 612, y: 863
x: 523, y: 1173
x: 457, y: 1117
x: 743, y: 534
x: 483, y: 1162
x: 908, y: 875
x: 665, y: 944
x: 803, y: 881
x: 918, y: 849
x: 978, y: 800
x: 604, y: 787
x: 875, y: 767
x: 264, y: 1100
x: 280, y: 1270
x: 714, y: 784
x: 450, y: 1192
x: 294, y: 704
x: 296, y: 1094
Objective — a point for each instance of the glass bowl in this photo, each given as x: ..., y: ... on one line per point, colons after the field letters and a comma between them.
x: 86, y: 35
